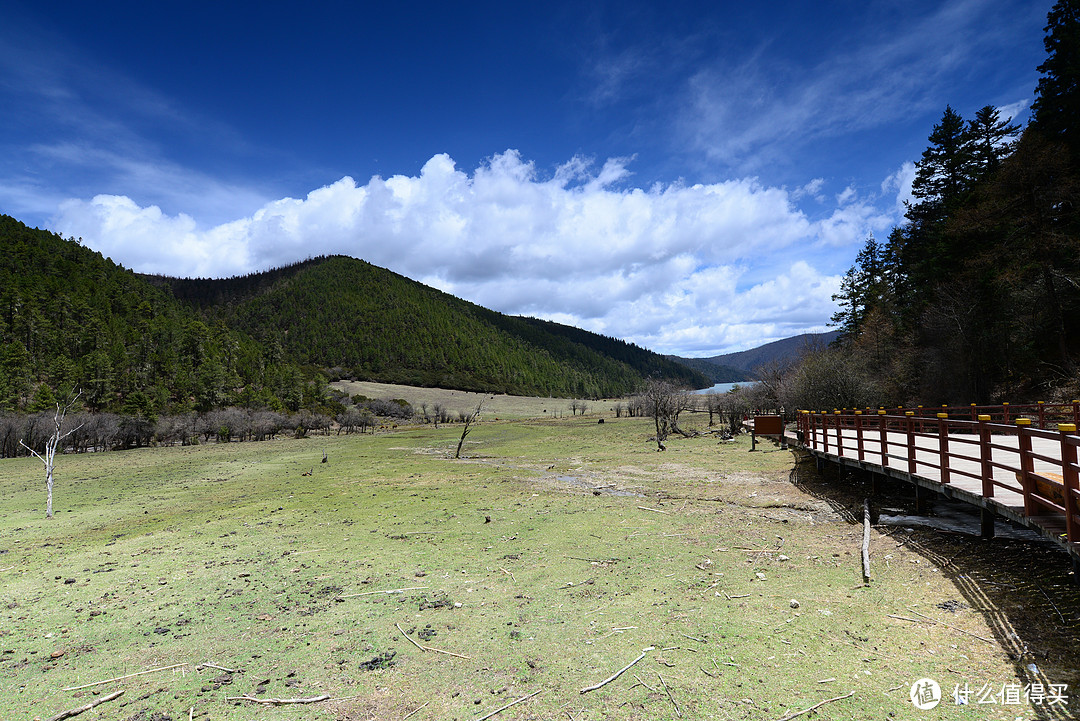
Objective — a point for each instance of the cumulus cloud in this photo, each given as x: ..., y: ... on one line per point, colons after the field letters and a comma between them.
x: 680, y: 268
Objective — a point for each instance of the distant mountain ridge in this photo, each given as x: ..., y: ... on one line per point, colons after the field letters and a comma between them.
x: 369, y: 323
x: 740, y: 366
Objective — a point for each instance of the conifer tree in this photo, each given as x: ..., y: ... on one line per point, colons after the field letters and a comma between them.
x: 1056, y: 109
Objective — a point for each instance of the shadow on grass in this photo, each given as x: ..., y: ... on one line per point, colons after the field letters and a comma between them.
x: 1024, y: 589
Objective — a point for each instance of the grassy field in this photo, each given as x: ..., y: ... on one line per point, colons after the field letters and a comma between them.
x: 549, y: 558
x: 500, y: 406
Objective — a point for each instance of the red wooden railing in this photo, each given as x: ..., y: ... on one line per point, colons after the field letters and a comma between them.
x: 999, y: 448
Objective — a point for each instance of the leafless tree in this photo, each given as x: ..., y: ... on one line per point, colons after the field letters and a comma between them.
x: 469, y: 420
x: 50, y: 448
x: 664, y: 402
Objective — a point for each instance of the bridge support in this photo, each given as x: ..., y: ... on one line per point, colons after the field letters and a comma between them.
x: 987, y: 522
x: 922, y: 498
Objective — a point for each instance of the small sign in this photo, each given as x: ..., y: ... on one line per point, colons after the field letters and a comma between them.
x: 768, y: 426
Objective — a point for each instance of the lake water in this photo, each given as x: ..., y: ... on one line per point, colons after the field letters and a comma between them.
x: 724, y: 387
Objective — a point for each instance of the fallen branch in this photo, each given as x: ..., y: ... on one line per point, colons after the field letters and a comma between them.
x: 618, y: 673
x: 219, y: 668
x: 644, y: 684
x: 76, y: 711
x: 429, y: 648
x: 121, y: 678
x: 692, y: 638
x: 279, y: 701
x: 677, y: 711
x: 645, y: 508
x: 412, y: 712
x: 817, y: 706
x: 512, y: 703
x: 391, y: 591
x: 942, y: 623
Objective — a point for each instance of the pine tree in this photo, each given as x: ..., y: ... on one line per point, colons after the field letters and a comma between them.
x: 992, y: 140
x: 1057, y: 98
x: 944, y: 172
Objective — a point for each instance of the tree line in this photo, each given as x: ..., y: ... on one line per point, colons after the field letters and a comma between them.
x: 975, y: 298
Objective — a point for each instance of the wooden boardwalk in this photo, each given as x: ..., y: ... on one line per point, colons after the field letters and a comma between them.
x: 1019, y: 463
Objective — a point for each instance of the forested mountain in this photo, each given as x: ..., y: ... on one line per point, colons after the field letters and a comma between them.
x: 71, y: 318
x: 366, y: 322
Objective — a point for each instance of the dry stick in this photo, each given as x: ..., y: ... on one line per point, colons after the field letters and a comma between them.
x: 121, y: 678
x: 219, y: 668
x: 934, y: 620
x: 523, y: 698
x: 429, y: 648
x: 372, y: 593
x: 276, y: 701
x: 677, y: 711
x: 692, y: 638
x: 866, y: 541
x: 816, y: 706
x: 412, y: 712
x: 618, y: 673
x: 76, y: 711
x: 644, y: 508
x: 644, y: 684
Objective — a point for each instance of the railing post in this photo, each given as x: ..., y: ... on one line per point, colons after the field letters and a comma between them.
x: 1071, y: 481
x: 883, y: 427
x: 943, y: 444
x: 1027, y: 463
x: 858, y: 434
x: 1042, y: 414
x: 987, y: 517
x: 825, y: 431
x: 839, y: 434
x: 1076, y: 411
x: 986, y: 456
x: 974, y: 413
x: 1005, y: 412
x: 911, y: 464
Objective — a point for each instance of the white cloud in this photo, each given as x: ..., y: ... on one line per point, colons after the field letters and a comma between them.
x: 680, y: 268
x: 900, y: 183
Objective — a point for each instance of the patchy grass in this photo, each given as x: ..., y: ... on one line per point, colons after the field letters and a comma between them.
x: 495, y: 405
x: 550, y: 556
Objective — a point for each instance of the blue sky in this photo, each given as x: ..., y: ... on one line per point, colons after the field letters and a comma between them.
x: 691, y: 176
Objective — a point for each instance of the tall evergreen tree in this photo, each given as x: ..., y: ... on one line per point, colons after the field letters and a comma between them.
x: 992, y: 140
x: 1056, y: 109
x: 943, y: 173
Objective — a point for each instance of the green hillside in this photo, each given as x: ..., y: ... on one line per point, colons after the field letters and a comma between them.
x: 72, y: 318
x: 366, y: 322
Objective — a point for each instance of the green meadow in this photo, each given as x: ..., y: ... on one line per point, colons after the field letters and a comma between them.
x: 554, y: 553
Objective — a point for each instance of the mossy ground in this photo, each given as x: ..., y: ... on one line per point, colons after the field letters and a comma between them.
x: 550, y: 556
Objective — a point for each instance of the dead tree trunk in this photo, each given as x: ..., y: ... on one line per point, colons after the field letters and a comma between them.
x: 50, y: 449
x: 465, y: 431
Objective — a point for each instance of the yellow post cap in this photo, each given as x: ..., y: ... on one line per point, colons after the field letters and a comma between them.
x: 1023, y: 421
x: 983, y: 417
x: 942, y: 415
x: 909, y: 413
x: 881, y: 412
x: 1067, y: 427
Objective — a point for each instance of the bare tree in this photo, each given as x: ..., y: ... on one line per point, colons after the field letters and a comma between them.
x: 664, y: 402
x: 469, y: 420
x: 50, y: 448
